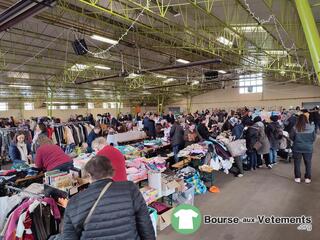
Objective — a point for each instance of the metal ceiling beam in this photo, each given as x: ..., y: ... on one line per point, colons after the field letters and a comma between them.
x: 199, y: 33
x: 65, y: 41
x: 196, y: 43
x: 311, y: 33
x: 84, y: 14
x: 263, y: 25
x: 26, y: 14
x: 75, y: 10
x: 196, y: 4
x: 15, y: 9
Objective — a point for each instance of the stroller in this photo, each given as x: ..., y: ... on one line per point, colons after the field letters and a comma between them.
x: 285, y: 150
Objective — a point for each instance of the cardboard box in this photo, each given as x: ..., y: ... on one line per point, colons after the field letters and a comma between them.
x: 164, y: 219
x: 177, y: 185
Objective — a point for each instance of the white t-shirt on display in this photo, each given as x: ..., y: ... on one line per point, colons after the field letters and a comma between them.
x: 186, y: 218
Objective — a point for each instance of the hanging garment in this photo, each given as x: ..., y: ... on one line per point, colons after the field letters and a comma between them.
x: 69, y: 136
x: 80, y: 136
x: 85, y: 132
x: 75, y: 135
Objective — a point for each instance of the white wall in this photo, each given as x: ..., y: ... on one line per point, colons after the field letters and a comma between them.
x: 65, y: 114
x: 273, y: 97
x: 62, y: 114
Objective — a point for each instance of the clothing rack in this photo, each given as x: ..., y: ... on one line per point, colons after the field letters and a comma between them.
x: 69, y: 123
x: 14, y: 129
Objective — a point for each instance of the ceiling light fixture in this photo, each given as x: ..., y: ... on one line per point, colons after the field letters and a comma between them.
x: 222, y: 71
x: 22, y: 75
x: 277, y: 52
x: 225, y: 41
x: 195, y: 82
x: 102, y: 67
x: 78, y: 67
x: 59, y: 102
x: 182, y: 61
x: 133, y: 75
x: 293, y: 65
x: 249, y: 29
x: 104, y: 39
x: 169, y: 80
x: 160, y: 76
x: 20, y: 86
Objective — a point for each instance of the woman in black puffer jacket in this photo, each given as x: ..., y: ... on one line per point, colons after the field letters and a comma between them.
x: 120, y: 214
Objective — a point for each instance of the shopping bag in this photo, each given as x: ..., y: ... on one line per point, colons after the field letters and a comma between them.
x: 237, y: 148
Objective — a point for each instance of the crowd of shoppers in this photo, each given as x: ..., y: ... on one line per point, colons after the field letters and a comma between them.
x: 263, y: 135
x: 90, y: 214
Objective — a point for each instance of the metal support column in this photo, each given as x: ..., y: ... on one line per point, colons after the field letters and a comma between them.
x: 189, y: 103
x: 311, y: 32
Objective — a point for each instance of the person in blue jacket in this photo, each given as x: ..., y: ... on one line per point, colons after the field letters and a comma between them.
x: 91, y: 137
x: 303, y: 138
x: 19, y: 150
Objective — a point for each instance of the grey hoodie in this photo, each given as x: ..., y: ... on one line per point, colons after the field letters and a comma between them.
x: 262, y: 138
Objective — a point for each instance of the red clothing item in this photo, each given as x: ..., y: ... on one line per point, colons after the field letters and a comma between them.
x: 50, y: 132
x: 117, y: 161
x: 50, y: 156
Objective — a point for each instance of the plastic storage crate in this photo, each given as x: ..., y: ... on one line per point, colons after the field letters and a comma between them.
x: 186, y: 197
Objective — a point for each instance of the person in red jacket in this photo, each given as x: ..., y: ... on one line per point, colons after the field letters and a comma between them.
x: 50, y: 156
x: 117, y: 159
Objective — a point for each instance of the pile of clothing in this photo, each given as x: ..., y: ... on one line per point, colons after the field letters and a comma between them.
x: 192, y: 179
x: 152, y: 143
x: 81, y: 160
x: 193, y: 149
x: 25, y: 216
x: 219, y: 158
x: 126, y: 149
x: 136, y: 169
x: 149, y: 194
x: 139, y: 146
x: 159, y: 207
x: 155, y: 163
x: 14, y: 174
x: 33, y: 219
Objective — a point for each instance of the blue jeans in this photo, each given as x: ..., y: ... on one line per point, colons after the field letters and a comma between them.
x: 297, y: 162
x: 176, y: 150
x: 272, y: 156
x: 252, y: 156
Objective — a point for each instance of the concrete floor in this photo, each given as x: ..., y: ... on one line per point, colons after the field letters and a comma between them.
x: 260, y: 192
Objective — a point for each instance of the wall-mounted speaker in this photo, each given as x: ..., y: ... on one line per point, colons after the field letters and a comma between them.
x: 80, y: 47
x: 211, y: 75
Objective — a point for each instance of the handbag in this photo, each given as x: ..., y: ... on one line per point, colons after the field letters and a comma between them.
x: 237, y: 148
x: 257, y: 145
x: 95, y: 204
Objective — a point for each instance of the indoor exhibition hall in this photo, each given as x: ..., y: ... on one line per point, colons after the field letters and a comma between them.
x: 159, y: 119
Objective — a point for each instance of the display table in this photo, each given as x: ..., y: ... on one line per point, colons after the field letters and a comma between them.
x: 182, y: 163
x: 130, y: 136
